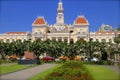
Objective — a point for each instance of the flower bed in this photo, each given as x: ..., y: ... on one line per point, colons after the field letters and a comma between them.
x: 72, y: 70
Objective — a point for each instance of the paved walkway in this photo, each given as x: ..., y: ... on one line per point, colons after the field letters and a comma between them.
x: 114, y: 68
x: 27, y: 73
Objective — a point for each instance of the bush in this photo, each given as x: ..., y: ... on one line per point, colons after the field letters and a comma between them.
x: 7, y: 61
x: 99, y: 62
x: 106, y: 63
x: 60, y: 61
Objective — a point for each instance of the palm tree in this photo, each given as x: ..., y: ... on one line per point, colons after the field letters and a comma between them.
x: 81, y: 47
x: 36, y: 47
x: 56, y: 49
x: 89, y: 48
x: 110, y: 50
x: 117, y: 39
x: 103, y: 49
x: 5, y: 49
x: 2, y: 50
x: 20, y: 47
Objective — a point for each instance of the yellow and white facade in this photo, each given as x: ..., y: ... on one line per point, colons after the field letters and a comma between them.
x: 14, y: 36
x: 61, y: 31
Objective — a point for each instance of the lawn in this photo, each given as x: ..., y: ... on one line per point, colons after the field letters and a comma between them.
x: 12, y: 68
x: 102, y: 73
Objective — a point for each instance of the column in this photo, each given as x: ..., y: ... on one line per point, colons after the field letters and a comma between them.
x: 99, y: 40
x: 62, y: 39
x: 94, y: 39
x: 112, y: 40
x: 56, y: 38
x: 22, y: 39
x: 107, y: 40
x: 4, y: 40
x: 10, y: 40
x: 42, y: 39
x: 68, y: 40
x: 50, y: 38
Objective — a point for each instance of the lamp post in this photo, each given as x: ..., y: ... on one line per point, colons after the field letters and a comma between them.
x: 28, y: 49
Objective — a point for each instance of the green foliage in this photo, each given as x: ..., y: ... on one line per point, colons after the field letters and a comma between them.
x: 60, y: 61
x: 99, y: 62
x: 57, y: 49
x: 117, y: 39
x: 72, y: 64
x: 7, y: 61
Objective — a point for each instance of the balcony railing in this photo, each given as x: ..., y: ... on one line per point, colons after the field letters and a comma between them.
x: 81, y: 34
x: 38, y: 35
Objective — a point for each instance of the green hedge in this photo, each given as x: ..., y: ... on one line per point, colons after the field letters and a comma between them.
x: 99, y: 62
x: 7, y: 61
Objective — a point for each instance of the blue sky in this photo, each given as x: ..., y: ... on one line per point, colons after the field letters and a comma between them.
x: 18, y: 15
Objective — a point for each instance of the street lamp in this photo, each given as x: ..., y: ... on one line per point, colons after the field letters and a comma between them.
x: 28, y: 48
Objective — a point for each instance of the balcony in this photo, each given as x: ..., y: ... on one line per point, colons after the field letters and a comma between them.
x: 59, y: 34
x: 82, y: 35
x: 38, y: 35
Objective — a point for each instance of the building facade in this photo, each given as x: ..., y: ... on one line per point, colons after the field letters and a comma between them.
x: 61, y: 31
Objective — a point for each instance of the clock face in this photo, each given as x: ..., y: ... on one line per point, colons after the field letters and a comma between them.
x: 106, y: 28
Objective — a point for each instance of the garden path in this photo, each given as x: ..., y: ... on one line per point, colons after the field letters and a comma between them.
x: 26, y: 73
x: 114, y: 68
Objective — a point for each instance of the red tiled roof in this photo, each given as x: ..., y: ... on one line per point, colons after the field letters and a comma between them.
x: 39, y: 20
x: 81, y: 20
x: 16, y: 33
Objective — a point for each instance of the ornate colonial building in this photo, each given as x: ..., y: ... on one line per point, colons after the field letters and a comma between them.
x: 61, y: 31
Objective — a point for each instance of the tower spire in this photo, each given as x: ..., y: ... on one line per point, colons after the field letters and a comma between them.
x: 60, y: 13
x: 60, y: 6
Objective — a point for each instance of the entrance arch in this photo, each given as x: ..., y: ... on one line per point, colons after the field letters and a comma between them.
x: 71, y: 41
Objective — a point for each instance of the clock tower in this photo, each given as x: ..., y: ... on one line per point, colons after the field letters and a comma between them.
x: 60, y: 13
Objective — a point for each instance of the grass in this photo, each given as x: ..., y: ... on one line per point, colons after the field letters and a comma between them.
x: 41, y: 75
x: 102, y: 73
x: 12, y: 68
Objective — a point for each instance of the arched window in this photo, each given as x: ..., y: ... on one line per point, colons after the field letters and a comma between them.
x: 103, y: 40
x: 1, y: 40
x: 13, y: 40
x: 110, y: 40
x: 7, y: 40
x: 38, y: 32
x: 65, y: 40
x: 71, y: 41
x: 81, y: 31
